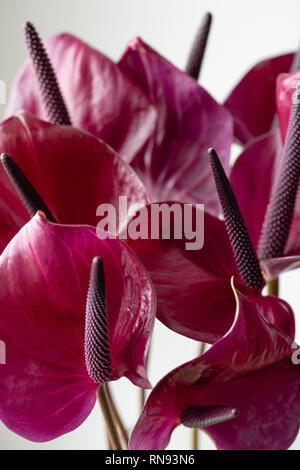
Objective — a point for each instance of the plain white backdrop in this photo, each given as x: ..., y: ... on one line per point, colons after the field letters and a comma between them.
x: 243, y: 32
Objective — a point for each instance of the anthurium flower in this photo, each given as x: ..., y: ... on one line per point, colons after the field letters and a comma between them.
x: 58, y: 355
x: 195, y: 299
x: 168, y: 150
x: 268, y: 197
x: 59, y: 203
x: 189, y: 122
x: 98, y: 96
x: 73, y: 172
x: 244, y: 391
x: 252, y: 101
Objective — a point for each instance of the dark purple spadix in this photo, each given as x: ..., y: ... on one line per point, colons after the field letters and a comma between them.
x: 30, y: 198
x: 97, y: 352
x: 195, y: 59
x: 204, y: 416
x: 242, y: 247
x: 279, y: 215
x: 52, y: 97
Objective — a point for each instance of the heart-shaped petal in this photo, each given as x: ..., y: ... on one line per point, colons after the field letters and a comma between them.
x: 252, y: 101
x: 99, y: 97
x: 45, y: 387
x: 193, y: 286
x: 250, y: 370
x: 73, y: 172
x: 189, y: 121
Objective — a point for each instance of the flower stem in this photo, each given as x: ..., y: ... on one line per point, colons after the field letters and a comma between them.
x: 273, y: 287
x: 107, y: 413
x: 195, y: 431
x: 117, y: 417
x: 142, y: 398
x: 195, y: 439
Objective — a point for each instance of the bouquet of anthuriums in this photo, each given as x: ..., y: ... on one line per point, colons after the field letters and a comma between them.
x: 78, y: 299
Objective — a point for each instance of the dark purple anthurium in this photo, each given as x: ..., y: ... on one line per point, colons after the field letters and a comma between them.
x: 265, y: 179
x: 69, y: 174
x: 92, y: 93
x: 77, y: 310
x: 165, y: 141
x: 72, y: 171
x: 203, y: 306
x: 201, y: 278
x: 174, y: 165
x: 244, y: 391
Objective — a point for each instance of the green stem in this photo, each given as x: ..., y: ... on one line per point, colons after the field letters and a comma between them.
x: 273, y: 287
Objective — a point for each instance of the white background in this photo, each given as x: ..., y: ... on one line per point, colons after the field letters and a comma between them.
x: 243, y: 32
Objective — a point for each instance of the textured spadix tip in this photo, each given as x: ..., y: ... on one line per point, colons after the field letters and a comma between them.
x: 241, y: 244
x: 196, y: 55
x: 204, y: 416
x: 29, y: 196
x: 52, y: 98
x: 97, y: 351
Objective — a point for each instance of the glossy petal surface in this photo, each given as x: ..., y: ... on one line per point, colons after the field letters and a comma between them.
x: 45, y: 388
x: 252, y: 101
x: 174, y: 165
x: 73, y: 172
x: 249, y: 369
x: 193, y: 286
x: 99, y: 97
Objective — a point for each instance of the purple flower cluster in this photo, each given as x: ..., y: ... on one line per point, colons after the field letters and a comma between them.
x: 77, y: 307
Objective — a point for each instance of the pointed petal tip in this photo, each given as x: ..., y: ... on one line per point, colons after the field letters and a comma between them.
x: 42, y: 215
x: 205, y: 416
